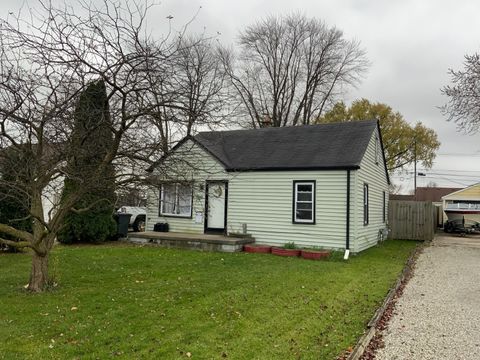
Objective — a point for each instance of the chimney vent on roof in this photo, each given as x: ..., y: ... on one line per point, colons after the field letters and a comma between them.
x: 267, y: 121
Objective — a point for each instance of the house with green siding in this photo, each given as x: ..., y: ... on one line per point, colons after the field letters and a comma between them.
x: 320, y: 186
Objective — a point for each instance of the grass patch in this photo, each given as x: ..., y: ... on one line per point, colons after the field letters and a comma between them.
x: 147, y: 302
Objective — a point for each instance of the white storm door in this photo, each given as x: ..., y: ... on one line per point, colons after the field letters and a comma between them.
x: 216, y: 205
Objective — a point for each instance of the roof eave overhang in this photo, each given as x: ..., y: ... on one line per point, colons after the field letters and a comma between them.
x: 165, y: 156
x: 301, y: 168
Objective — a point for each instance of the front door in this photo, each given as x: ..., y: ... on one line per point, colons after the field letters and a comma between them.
x: 216, y: 206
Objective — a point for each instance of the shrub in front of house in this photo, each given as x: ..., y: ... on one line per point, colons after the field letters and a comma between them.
x: 95, y: 225
x: 91, y: 138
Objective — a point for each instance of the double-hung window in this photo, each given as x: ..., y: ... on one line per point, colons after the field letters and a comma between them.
x: 365, y: 204
x: 304, y: 202
x: 176, y: 199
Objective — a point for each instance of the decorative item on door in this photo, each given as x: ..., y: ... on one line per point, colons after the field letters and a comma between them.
x: 218, y: 192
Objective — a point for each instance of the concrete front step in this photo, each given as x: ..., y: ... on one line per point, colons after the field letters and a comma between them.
x: 204, y: 242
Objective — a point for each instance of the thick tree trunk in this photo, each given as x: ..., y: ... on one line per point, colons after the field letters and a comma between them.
x: 43, y: 244
x: 39, y: 273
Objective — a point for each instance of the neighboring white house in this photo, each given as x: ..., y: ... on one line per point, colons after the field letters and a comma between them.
x: 51, y: 196
x: 317, y: 186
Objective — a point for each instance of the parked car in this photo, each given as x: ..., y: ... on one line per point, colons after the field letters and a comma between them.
x: 137, y: 220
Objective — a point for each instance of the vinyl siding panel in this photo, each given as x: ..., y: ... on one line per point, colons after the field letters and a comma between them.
x: 373, y: 174
x: 264, y: 201
x: 191, y: 163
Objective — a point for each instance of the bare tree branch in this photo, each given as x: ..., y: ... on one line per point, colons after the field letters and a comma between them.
x: 463, y: 105
x: 291, y: 69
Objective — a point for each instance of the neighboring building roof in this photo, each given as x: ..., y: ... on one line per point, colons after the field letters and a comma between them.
x: 472, y: 191
x: 401, y: 197
x: 433, y: 194
x: 323, y: 146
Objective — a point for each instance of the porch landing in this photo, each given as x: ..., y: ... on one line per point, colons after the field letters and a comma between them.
x: 205, y: 242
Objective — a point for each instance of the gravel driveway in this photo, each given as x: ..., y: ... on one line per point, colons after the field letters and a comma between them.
x: 438, y: 316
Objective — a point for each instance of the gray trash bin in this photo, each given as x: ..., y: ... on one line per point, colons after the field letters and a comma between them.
x: 123, y: 220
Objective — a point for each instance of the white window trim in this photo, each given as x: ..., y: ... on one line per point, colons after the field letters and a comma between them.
x: 162, y: 213
x: 296, y: 201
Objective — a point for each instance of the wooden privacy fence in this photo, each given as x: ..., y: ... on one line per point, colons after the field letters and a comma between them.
x: 411, y: 220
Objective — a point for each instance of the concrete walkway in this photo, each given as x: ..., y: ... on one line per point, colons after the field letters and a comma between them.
x: 438, y: 316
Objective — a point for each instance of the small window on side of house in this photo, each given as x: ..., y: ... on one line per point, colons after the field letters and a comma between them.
x: 304, y: 202
x: 365, y: 204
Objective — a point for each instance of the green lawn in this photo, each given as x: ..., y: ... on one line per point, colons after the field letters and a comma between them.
x: 121, y: 301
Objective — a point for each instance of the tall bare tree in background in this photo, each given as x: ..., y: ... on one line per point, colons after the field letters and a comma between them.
x: 202, y: 83
x: 463, y: 106
x: 190, y: 92
x: 46, y: 62
x: 290, y: 69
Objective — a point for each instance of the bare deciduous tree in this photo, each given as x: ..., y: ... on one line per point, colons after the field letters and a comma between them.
x: 193, y: 92
x: 190, y: 92
x: 45, y: 63
x: 201, y: 80
x: 463, y: 106
x: 290, y: 69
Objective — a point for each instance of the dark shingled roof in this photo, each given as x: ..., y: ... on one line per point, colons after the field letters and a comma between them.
x: 324, y: 146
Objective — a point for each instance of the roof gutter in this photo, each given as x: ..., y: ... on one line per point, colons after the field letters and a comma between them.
x: 347, y: 229
x: 300, y: 168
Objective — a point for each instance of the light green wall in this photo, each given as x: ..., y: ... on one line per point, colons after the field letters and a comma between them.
x: 374, y: 175
x: 263, y: 201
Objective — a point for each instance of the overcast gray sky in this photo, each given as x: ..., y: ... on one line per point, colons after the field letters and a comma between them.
x: 411, y: 45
